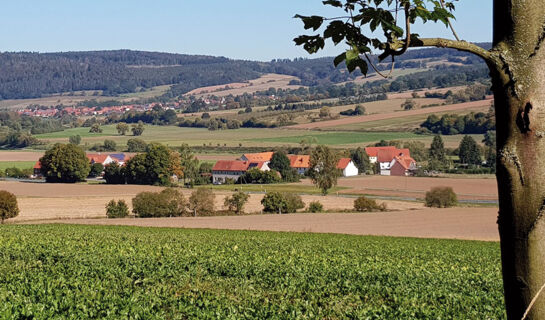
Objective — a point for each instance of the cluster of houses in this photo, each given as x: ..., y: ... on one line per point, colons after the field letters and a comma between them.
x: 85, y: 111
x: 103, y: 159
x: 389, y: 160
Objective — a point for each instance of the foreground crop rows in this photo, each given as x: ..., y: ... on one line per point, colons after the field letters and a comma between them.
x: 151, y: 273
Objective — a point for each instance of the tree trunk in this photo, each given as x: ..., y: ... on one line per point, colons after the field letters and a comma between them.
x: 518, y: 77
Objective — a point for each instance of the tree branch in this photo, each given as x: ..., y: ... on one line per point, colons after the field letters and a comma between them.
x: 453, y: 44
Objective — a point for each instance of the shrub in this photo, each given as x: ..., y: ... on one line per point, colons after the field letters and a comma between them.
x: 117, y: 209
x: 236, y: 202
x: 441, y: 197
x: 136, y: 145
x: 8, y: 205
x: 76, y: 139
x: 18, y: 173
x: 315, y: 206
x: 113, y: 174
x: 363, y: 204
x: 167, y: 203
x: 96, y: 170
x: 201, y: 202
x: 255, y: 175
x: 278, y: 202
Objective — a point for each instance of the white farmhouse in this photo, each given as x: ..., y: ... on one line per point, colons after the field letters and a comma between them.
x: 348, y: 167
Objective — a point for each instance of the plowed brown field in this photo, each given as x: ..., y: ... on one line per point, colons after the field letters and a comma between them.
x: 466, y: 189
x: 454, y: 223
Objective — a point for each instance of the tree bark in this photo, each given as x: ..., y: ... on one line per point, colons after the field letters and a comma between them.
x: 518, y: 77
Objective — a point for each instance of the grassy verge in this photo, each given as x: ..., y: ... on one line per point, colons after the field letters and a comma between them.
x: 290, y: 188
x: 59, y: 271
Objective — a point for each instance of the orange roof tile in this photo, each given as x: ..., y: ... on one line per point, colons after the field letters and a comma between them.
x: 262, y: 156
x: 343, y: 163
x: 299, y: 161
x: 231, y: 165
x: 373, y: 151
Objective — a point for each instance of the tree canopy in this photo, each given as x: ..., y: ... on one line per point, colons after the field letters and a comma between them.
x: 65, y: 163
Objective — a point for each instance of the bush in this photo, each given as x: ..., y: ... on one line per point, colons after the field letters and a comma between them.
x: 441, y: 197
x: 113, y: 174
x: 236, y: 202
x: 117, y: 209
x: 18, y: 173
x: 136, y: 145
x: 201, y: 202
x: 255, y: 175
x: 363, y: 204
x: 167, y: 203
x: 75, y: 139
x: 315, y: 206
x: 278, y: 202
x: 96, y: 170
x: 8, y: 205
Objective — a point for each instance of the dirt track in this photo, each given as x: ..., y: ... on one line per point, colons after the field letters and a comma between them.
x: 391, y: 115
x: 455, y: 223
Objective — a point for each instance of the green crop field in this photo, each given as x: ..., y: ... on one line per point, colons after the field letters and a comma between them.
x: 16, y: 164
x: 343, y: 138
x: 82, y: 272
x: 247, y: 137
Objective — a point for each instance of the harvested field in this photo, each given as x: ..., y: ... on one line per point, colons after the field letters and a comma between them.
x: 271, y: 80
x: 401, y: 114
x: 41, y: 201
x: 408, y: 94
x: 453, y: 223
x: 6, y: 156
x: 465, y: 188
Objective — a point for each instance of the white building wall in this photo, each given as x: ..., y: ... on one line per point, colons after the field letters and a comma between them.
x: 221, y: 176
x: 350, y: 170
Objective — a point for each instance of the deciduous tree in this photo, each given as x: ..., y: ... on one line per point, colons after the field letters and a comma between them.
x: 516, y: 63
x: 65, y: 163
x: 323, y: 168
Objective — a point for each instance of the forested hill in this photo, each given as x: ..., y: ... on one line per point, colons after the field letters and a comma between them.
x: 33, y: 75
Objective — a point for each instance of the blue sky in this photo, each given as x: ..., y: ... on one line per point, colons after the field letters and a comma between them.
x: 241, y: 29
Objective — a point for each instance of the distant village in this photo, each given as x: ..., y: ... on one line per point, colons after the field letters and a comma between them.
x: 389, y: 160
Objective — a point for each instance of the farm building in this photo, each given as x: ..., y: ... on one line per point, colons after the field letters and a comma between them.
x: 384, y: 156
x: 348, y: 167
x: 402, y: 166
x: 257, y: 157
x: 37, y: 170
x: 103, y: 159
x: 225, y: 170
x: 300, y: 163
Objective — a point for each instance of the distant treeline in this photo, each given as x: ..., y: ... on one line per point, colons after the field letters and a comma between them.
x: 33, y: 75
x: 450, y: 124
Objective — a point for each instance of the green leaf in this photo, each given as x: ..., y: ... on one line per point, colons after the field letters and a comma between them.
x: 333, y: 3
x: 312, y: 22
x: 340, y: 58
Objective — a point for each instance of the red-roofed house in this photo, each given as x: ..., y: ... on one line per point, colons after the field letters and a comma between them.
x: 224, y: 170
x: 256, y: 157
x: 301, y: 163
x: 348, y: 167
x: 37, y: 170
x: 402, y: 166
x: 384, y: 157
x: 103, y: 159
